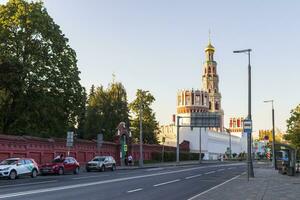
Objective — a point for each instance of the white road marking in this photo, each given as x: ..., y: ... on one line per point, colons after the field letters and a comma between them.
x: 35, y: 183
x: 135, y: 190
x: 211, y: 172
x: 231, y: 167
x: 83, y: 177
x: 219, y: 170
x: 38, y: 191
x: 189, y: 177
x: 165, y: 183
x: 198, y: 195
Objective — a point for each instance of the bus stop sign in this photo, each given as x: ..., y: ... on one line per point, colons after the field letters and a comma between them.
x: 248, y: 126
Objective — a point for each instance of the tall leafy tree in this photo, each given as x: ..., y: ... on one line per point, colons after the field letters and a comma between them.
x: 150, y: 126
x: 47, y: 98
x: 105, y: 110
x: 293, y: 127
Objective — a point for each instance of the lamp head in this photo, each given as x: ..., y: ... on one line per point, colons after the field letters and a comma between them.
x: 242, y: 51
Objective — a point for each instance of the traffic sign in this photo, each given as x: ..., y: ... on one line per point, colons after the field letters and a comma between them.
x: 99, y: 140
x: 248, y: 126
x: 70, y: 138
x: 125, y: 147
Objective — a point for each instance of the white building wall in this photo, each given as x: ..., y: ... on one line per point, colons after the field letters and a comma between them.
x: 212, y: 143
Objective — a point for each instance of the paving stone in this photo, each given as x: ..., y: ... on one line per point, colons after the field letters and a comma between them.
x: 268, y: 184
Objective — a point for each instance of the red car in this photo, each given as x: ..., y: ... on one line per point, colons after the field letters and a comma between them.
x: 61, y: 166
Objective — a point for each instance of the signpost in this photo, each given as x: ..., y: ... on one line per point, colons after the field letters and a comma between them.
x: 248, y: 130
x: 99, y: 141
x: 70, y: 140
x: 198, y: 120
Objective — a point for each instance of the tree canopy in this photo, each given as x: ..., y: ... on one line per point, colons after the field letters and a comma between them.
x: 293, y: 127
x: 40, y: 92
x: 150, y: 127
x: 105, y: 110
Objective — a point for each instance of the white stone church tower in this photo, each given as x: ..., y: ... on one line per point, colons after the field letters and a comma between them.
x: 210, y: 82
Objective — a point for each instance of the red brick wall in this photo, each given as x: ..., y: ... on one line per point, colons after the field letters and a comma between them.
x: 44, y: 150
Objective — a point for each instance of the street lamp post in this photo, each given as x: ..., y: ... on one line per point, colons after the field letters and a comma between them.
x: 249, y: 136
x: 273, y: 134
x: 141, y: 136
x: 228, y: 131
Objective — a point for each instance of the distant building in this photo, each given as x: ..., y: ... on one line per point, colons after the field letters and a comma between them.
x: 213, y: 141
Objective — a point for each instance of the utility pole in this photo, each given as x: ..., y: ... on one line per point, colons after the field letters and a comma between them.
x: 273, y: 135
x: 177, y: 149
x: 141, y: 136
x: 249, y: 135
x: 200, y: 153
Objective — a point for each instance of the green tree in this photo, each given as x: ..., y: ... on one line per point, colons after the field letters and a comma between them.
x: 105, y: 110
x: 143, y: 101
x: 293, y: 128
x: 47, y: 98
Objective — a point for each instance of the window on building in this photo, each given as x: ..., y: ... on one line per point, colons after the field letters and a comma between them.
x: 217, y: 106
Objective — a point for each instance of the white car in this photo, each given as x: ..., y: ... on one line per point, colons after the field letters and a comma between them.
x: 14, y: 167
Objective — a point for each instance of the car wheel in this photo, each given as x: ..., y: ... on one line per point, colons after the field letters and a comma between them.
x: 60, y: 171
x: 88, y: 170
x: 33, y: 173
x: 113, y: 168
x: 13, y: 175
x: 102, y: 168
x: 76, y: 171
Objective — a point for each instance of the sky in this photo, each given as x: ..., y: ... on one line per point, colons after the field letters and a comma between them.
x: 158, y: 45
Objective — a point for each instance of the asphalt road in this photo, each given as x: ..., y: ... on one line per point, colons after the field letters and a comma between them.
x: 180, y: 182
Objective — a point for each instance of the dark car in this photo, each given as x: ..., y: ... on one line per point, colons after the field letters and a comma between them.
x: 101, y: 163
x: 61, y: 166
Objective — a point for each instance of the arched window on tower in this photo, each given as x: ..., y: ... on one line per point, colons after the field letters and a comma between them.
x: 209, y: 107
x: 213, y: 69
x: 216, y: 106
x: 209, y: 70
x: 205, y: 71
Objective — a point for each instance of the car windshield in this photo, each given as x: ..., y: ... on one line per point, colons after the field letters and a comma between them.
x: 9, y: 162
x: 99, y: 159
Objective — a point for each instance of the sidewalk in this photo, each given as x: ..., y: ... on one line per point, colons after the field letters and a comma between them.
x: 268, y: 184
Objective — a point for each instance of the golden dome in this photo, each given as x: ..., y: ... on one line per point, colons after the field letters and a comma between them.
x: 210, y: 47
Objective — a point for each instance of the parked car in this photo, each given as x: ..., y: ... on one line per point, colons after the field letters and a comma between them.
x: 60, y: 166
x: 14, y: 167
x: 101, y: 163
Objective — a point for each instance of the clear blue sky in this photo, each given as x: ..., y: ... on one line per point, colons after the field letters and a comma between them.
x: 158, y: 45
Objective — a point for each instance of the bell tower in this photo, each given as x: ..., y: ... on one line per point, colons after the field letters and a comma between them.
x: 210, y: 81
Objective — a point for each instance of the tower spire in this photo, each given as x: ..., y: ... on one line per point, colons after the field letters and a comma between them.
x: 209, y: 36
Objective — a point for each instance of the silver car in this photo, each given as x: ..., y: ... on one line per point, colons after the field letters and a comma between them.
x: 101, y: 163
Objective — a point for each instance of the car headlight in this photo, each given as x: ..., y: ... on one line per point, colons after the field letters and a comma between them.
x: 4, y: 169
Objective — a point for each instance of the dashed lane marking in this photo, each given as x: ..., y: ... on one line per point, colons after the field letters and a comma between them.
x: 165, y: 183
x: 189, y: 177
x: 211, y: 172
x: 135, y: 190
